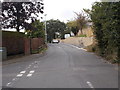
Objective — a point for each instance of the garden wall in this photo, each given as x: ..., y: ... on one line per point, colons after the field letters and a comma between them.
x: 17, y: 43
x: 13, y: 41
x: 33, y: 44
x: 36, y: 43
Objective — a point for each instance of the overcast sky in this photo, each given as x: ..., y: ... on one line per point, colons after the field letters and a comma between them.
x: 64, y: 9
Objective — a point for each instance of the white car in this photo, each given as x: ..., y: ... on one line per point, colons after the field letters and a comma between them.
x: 55, y: 41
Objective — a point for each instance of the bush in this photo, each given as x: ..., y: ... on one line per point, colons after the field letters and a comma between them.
x: 12, y: 34
x: 38, y: 30
x: 106, y: 19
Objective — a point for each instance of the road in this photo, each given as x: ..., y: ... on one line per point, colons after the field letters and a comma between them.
x: 63, y: 66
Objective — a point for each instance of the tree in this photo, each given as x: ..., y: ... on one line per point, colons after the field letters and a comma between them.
x: 81, y: 21
x: 17, y: 14
x: 37, y: 30
x: 106, y: 23
x: 53, y: 27
x: 72, y: 26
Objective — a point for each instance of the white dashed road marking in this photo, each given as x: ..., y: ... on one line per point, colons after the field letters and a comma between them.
x: 35, y: 66
x: 22, y: 72
x: 32, y: 71
x: 14, y: 79
x: 36, y: 61
x: 90, y: 84
x: 78, y: 48
x: 29, y: 65
x: 19, y: 75
x: 29, y: 75
x: 8, y: 84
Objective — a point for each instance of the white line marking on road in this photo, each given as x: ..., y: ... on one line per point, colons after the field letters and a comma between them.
x: 19, y: 75
x: 29, y: 75
x: 8, y: 84
x: 14, y: 79
x: 35, y: 67
x: 90, y: 84
x: 83, y: 49
x: 78, y: 47
x: 29, y: 65
x: 22, y: 72
x: 32, y: 71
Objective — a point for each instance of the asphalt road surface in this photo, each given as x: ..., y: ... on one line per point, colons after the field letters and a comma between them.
x: 63, y: 66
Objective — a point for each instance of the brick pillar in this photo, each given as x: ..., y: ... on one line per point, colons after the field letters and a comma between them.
x: 27, y: 46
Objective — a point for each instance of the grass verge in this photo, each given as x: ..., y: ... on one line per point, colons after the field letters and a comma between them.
x: 112, y: 58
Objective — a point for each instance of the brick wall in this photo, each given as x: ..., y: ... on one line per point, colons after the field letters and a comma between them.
x: 27, y: 46
x: 13, y: 45
x: 36, y: 43
x: 17, y: 43
x: 16, y: 46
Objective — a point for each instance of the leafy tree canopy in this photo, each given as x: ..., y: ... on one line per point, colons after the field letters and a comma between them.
x: 81, y: 21
x: 17, y: 14
x: 72, y: 26
x: 78, y: 23
x: 53, y: 27
x: 106, y: 23
x: 38, y: 31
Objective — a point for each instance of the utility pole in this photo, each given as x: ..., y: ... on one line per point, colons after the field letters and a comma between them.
x: 45, y: 30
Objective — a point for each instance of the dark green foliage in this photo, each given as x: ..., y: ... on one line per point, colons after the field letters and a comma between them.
x: 81, y: 21
x: 106, y: 23
x: 75, y: 30
x: 10, y: 34
x: 53, y: 27
x: 72, y: 26
x: 16, y: 14
x: 37, y: 30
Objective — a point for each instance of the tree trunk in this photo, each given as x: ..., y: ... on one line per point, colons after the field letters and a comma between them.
x: 81, y: 31
x: 17, y: 28
x: 18, y: 19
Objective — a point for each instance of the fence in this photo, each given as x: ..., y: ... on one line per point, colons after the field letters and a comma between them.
x: 33, y: 44
x: 13, y: 41
x: 16, y: 43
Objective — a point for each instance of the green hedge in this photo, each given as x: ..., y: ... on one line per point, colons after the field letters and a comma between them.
x: 12, y: 34
x: 106, y: 23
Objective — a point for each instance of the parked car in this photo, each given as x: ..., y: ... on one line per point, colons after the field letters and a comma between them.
x: 55, y: 41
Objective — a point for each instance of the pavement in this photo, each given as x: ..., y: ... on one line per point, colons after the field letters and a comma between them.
x: 62, y: 66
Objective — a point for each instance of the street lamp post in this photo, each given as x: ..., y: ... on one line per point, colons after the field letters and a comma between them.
x: 45, y: 30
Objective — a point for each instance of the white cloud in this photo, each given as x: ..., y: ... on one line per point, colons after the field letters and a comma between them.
x: 64, y: 9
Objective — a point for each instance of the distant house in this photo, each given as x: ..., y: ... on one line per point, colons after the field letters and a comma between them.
x: 67, y: 35
x: 72, y: 34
